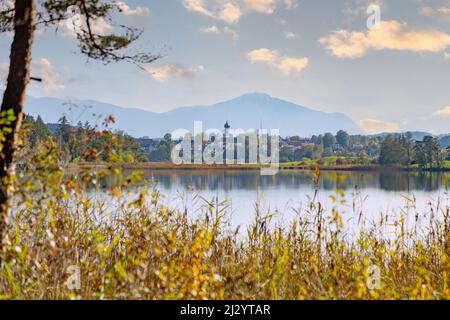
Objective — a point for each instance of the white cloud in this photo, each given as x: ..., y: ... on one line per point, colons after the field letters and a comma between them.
x: 359, y: 7
x: 197, y: 6
x: 444, y: 112
x: 290, y: 4
x: 391, y: 35
x: 234, y: 36
x: 51, y: 79
x: 77, y: 22
x: 441, y: 12
x: 3, y: 73
x: 231, y: 11
x: 373, y: 126
x: 285, y: 64
x: 343, y: 43
x: 101, y: 26
x: 169, y: 71
x: 212, y: 29
x: 138, y: 11
x: 446, y: 56
x: 262, y: 6
x: 289, y: 65
x: 263, y: 55
x: 231, y: 33
x: 40, y: 68
x: 290, y: 35
x: 6, y: 5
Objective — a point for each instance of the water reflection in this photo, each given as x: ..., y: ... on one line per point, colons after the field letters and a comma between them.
x: 251, y: 180
x: 286, y: 194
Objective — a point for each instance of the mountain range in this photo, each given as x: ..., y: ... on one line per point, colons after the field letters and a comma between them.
x: 253, y: 110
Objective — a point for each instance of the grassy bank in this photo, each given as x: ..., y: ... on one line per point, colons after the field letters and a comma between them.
x: 310, y: 165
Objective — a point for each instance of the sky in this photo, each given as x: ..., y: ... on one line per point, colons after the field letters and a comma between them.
x: 326, y: 55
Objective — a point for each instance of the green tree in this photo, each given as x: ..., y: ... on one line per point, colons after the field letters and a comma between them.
x: 286, y: 154
x: 409, y: 145
x: 318, y: 151
x: 39, y: 131
x: 304, y: 152
x: 428, y: 153
x: 317, y: 140
x: 393, y: 151
x: 363, y: 158
x: 342, y: 138
x: 329, y: 140
x: 161, y: 154
x: 63, y: 130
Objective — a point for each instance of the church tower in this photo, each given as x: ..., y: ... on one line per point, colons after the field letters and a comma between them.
x: 225, y: 137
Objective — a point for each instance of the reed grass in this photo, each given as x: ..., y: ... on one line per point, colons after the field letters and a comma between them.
x: 130, y: 246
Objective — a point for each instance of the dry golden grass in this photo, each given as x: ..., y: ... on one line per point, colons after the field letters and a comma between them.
x: 132, y: 247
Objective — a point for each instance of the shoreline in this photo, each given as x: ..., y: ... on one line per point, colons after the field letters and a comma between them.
x: 246, y: 167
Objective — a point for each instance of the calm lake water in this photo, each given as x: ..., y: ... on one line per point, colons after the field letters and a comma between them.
x: 286, y: 194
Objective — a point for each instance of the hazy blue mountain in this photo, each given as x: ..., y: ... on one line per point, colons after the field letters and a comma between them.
x: 416, y: 135
x: 444, y: 139
x: 248, y: 111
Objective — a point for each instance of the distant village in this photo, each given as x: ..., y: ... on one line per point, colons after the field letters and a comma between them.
x: 341, y: 148
x: 400, y: 148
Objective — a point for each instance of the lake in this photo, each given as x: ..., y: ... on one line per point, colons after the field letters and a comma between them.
x: 286, y: 194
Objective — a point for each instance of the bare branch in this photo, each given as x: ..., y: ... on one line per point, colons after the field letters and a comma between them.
x: 6, y: 19
x: 106, y: 47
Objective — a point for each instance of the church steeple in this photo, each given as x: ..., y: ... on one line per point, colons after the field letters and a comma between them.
x: 225, y: 137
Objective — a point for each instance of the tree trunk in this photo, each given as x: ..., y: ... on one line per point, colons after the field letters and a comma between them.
x: 14, y: 96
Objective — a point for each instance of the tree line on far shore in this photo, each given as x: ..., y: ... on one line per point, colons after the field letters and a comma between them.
x: 84, y: 142
x: 403, y: 150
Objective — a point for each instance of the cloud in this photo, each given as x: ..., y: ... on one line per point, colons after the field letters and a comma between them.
x: 40, y: 68
x: 197, y: 6
x: 169, y: 71
x: 263, y: 55
x: 3, y: 74
x: 234, y: 36
x: 290, y: 35
x: 6, y: 5
x: 373, y: 126
x: 343, y: 43
x: 437, y: 9
x: 262, y: 6
x: 101, y: 26
x: 212, y: 29
x: 392, y: 35
x: 359, y: 7
x: 285, y: 64
x: 73, y: 25
x: 444, y: 112
x: 231, y: 11
x: 231, y: 33
x: 51, y: 80
x: 138, y: 11
x: 290, y: 4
